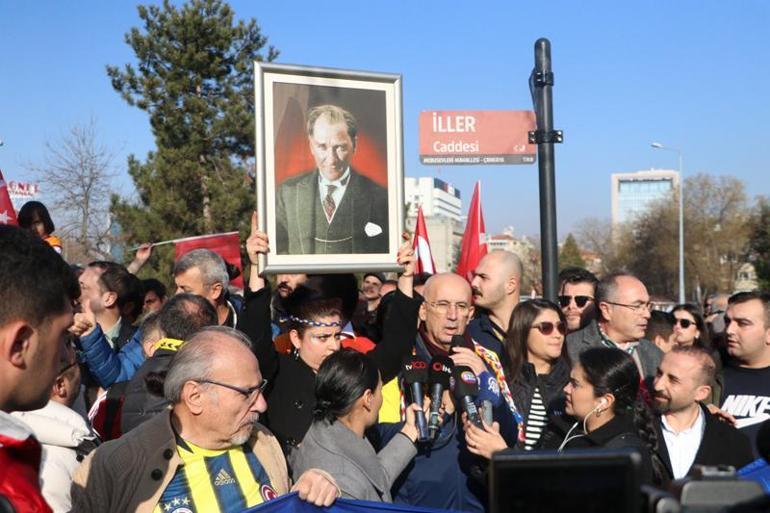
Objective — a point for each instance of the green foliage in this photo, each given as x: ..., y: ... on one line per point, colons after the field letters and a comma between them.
x: 569, y: 256
x: 759, y: 241
x: 194, y: 77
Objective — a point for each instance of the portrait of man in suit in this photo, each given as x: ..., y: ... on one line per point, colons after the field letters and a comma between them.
x: 332, y: 209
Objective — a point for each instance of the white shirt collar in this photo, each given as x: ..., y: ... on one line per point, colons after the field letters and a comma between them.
x: 696, y: 425
x: 340, y: 182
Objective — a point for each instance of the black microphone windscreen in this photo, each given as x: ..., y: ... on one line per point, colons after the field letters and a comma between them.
x: 440, y: 371
x: 415, y: 370
x: 465, y: 382
x: 458, y: 341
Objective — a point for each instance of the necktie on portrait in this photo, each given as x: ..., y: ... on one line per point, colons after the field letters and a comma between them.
x: 328, y: 202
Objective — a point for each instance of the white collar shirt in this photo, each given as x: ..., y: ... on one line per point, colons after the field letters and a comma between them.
x: 341, y: 183
x: 683, y: 446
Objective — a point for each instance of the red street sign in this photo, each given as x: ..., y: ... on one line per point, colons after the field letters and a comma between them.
x: 476, y: 137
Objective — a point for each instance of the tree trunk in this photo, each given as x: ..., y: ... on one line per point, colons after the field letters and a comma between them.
x: 208, y: 224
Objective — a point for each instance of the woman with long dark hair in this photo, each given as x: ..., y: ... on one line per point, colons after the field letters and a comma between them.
x: 602, y: 400
x: 690, y: 328
x: 348, y: 392
x: 537, y: 367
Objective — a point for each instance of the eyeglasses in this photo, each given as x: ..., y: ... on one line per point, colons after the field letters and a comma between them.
x: 443, y: 307
x: 547, y: 327
x: 580, y: 301
x: 684, y: 323
x: 251, y: 394
x: 636, y: 307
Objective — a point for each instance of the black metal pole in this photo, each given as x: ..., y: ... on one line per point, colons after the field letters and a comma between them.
x: 545, y: 136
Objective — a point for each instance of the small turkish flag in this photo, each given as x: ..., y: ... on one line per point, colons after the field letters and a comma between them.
x: 474, y: 245
x: 421, y: 246
x: 226, y: 245
x: 7, y: 213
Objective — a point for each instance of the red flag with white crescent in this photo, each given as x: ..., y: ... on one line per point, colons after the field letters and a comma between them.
x: 421, y: 246
x: 474, y: 244
x: 7, y: 213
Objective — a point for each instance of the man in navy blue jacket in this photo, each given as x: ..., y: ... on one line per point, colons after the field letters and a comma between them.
x: 444, y: 474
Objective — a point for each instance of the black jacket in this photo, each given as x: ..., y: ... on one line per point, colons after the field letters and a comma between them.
x: 618, y: 433
x: 722, y: 444
x: 290, y: 392
x: 140, y: 404
x: 550, y: 385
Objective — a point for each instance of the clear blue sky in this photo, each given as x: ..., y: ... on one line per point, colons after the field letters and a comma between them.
x: 692, y: 74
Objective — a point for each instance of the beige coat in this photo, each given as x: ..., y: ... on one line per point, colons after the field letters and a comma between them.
x: 129, y: 474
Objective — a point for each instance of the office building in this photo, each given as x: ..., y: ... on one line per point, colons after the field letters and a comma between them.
x: 633, y: 193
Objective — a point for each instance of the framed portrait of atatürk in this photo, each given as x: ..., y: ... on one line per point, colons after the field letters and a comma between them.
x: 329, y: 168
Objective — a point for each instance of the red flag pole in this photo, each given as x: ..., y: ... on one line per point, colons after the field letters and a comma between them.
x: 422, y: 251
x: 474, y: 245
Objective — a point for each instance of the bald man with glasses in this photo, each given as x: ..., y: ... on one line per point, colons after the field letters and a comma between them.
x: 208, y: 452
x: 623, y: 311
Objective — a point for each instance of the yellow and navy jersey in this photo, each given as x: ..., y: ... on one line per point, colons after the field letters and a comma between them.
x: 222, y: 481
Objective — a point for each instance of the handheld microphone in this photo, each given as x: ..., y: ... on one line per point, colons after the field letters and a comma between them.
x: 439, y: 375
x: 466, y: 389
x: 415, y: 374
x: 458, y: 341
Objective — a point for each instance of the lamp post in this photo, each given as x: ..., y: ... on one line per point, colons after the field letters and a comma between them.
x: 659, y: 146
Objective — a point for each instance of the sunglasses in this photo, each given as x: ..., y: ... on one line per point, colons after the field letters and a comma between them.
x: 547, y: 327
x: 684, y: 323
x: 580, y: 301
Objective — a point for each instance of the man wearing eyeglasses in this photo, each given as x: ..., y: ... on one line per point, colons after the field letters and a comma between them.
x: 441, y: 473
x: 577, y: 287
x: 623, y: 308
x: 64, y: 434
x: 208, y: 453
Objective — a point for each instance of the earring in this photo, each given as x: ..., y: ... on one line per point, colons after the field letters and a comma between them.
x: 295, y: 352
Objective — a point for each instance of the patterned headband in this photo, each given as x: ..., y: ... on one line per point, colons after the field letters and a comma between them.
x: 316, y: 324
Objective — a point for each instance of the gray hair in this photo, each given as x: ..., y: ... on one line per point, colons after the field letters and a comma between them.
x: 210, y: 264
x: 607, y: 288
x: 194, y: 361
x: 335, y: 115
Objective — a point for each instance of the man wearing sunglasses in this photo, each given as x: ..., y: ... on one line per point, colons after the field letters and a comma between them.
x: 623, y: 309
x: 209, y: 452
x: 576, y: 297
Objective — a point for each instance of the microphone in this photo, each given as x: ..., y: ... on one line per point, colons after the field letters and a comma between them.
x: 457, y: 341
x: 465, y: 390
x: 439, y: 375
x: 415, y: 374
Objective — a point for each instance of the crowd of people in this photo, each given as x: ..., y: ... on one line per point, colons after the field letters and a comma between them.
x: 116, y: 395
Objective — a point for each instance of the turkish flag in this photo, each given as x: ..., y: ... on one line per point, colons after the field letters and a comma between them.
x: 421, y: 246
x: 474, y: 245
x: 226, y: 245
x: 7, y: 213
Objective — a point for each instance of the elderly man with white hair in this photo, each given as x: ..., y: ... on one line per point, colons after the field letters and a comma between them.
x: 208, y: 452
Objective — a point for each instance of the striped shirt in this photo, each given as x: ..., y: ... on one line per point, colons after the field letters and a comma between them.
x: 535, y: 421
x: 223, y: 481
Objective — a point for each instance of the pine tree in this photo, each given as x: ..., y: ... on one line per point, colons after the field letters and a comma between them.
x: 569, y: 256
x: 194, y: 78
